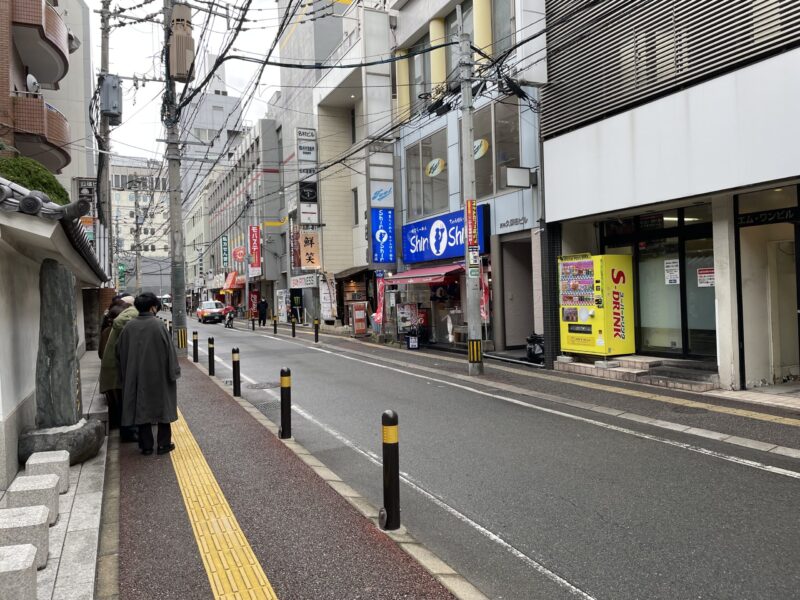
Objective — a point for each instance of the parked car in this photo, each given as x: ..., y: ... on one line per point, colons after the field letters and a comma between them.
x: 210, y: 311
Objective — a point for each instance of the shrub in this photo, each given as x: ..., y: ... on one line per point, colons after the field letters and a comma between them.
x: 33, y: 175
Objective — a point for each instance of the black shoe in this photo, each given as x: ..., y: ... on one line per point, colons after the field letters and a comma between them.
x: 148, y: 451
x: 165, y: 449
x: 128, y: 439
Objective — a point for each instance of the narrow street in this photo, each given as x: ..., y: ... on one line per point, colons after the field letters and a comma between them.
x: 533, y: 498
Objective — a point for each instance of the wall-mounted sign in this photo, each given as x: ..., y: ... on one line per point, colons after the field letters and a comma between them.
x: 307, y: 173
x: 479, y: 148
x: 306, y: 134
x: 308, y: 191
x: 309, y: 250
x: 383, y: 235
x: 255, y: 246
x: 303, y: 281
x: 309, y: 213
x: 439, y: 237
x: 307, y: 150
x: 435, y: 167
x: 705, y: 277
x: 672, y: 271
x: 382, y: 194
x: 238, y: 253
x: 225, y: 252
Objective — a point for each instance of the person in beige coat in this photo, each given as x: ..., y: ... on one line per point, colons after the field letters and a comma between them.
x: 110, y: 383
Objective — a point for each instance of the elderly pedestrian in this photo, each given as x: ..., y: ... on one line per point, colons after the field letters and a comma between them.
x: 112, y: 312
x: 149, y: 372
x: 109, y: 383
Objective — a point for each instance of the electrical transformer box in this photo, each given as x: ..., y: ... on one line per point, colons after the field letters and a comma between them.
x: 181, y: 44
x: 111, y: 99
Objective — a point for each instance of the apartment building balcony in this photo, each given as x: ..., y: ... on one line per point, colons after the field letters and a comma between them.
x: 41, y: 38
x: 41, y: 131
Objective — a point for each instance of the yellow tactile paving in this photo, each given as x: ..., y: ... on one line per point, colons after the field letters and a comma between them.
x: 232, y: 567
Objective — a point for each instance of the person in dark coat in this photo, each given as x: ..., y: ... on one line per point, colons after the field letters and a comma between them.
x: 112, y: 312
x: 149, y: 371
x: 262, y: 307
x: 108, y: 382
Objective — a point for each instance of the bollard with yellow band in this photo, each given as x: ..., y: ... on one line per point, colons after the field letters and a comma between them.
x: 475, y: 351
x: 285, y: 431
x: 237, y: 382
x: 181, y: 335
x: 195, y: 355
x: 275, y: 325
x: 211, y: 356
x: 294, y: 324
x: 316, y: 331
x: 389, y: 515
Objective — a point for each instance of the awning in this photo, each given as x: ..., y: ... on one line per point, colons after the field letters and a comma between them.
x: 426, y: 275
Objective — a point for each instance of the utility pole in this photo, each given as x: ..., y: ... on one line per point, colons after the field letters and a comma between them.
x: 137, y: 238
x: 471, y: 251
x: 104, y: 159
x: 248, y: 259
x: 178, y: 263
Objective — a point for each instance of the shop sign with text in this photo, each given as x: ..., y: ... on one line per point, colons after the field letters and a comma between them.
x: 225, y: 254
x: 439, y: 237
x: 255, y: 246
x: 383, y: 235
x: 309, y: 250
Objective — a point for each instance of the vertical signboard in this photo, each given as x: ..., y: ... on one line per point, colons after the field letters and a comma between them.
x: 225, y: 252
x: 383, y: 235
x: 255, y: 251
x: 473, y: 251
x: 309, y: 250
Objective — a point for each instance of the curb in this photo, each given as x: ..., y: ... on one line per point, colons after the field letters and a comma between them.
x: 455, y: 583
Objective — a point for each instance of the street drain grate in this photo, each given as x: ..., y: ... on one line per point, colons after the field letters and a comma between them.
x: 265, y: 385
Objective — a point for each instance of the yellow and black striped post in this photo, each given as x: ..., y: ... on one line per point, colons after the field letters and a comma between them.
x: 294, y: 323
x: 195, y: 355
x: 237, y: 382
x: 316, y: 331
x: 475, y: 351
x: 275, y: 325
x: 181, y: 331
x: 285, y: 431
x: 389, y: 515
x: 211, y: 356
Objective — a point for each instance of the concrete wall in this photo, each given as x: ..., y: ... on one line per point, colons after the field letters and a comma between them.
x: 18, y: 347
x: 733, y: 131
x: 726, y: 295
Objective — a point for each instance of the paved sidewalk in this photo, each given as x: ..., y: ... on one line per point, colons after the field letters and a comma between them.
x: 234, y: 505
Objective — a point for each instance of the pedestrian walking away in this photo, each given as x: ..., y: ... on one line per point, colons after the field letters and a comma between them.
x: 117, y: 317
x: 149, y: 372
x: 262, y: 307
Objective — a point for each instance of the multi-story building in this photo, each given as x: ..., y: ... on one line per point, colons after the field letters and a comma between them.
x: 670, y: 136
x: 243, y: 195
x: 141, y: 208
x: 34, y: 52
x: 430, y: 285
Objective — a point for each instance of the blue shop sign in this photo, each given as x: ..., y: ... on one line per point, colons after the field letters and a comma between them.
x: 383, y: 235
x: 438, y: 237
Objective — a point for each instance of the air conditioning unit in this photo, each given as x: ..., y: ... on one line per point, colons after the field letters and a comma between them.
x: 181, y: 47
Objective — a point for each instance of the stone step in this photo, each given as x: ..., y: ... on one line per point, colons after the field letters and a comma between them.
x: 27, y: 525
x: 677, y: 383
x: 35, y: 490
x: 687, y: 374
x: 18, y: 572
x: 54, y: 462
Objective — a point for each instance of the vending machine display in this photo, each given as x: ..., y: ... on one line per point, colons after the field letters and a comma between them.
x: 596, y: 304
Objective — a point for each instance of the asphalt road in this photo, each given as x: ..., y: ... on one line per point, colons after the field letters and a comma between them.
x: 528, y: 499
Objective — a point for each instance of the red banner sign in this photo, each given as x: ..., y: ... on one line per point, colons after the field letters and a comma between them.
x: 377, y: 318
x: 255, y: 246
x: 472, y: 223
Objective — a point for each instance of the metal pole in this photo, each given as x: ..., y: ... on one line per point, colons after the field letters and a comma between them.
x: 137, y: 234
x: 389, y: 515
x: 248, y: 259
x: 211, y: 356
x: 285, y: 431
x: 472, y: 256
x: 178, y: 264
x: 237, y: 383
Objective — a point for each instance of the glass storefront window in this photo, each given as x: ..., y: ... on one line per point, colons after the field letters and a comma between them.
x: 506, y: 127
x: 483, y: 152
x: 697, y: 214
x: 701, y: 315
x: 661, y: 220
x: 426, y: 174
x: 502, y: 25
x: 419, y: 71
x: 660, y: 296
x: 780, y: 197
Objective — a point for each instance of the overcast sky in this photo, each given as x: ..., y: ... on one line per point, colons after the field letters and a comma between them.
x: 136, y: 50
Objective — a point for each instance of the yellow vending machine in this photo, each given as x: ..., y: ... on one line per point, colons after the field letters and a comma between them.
x: 596, y: 304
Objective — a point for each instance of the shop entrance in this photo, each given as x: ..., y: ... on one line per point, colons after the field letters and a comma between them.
x: 673, y: 257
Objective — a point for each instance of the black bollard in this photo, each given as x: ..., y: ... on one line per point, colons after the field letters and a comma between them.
x: 316, y: 331
x: 294, y: 322
x: 211, y: 356
x: 389, y: 515
x: 195, y: 357
x: 274, y: 325
x: 253, y: 324
x: 169, y: 324
x: 237, y: 383
x: 285, y: 431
